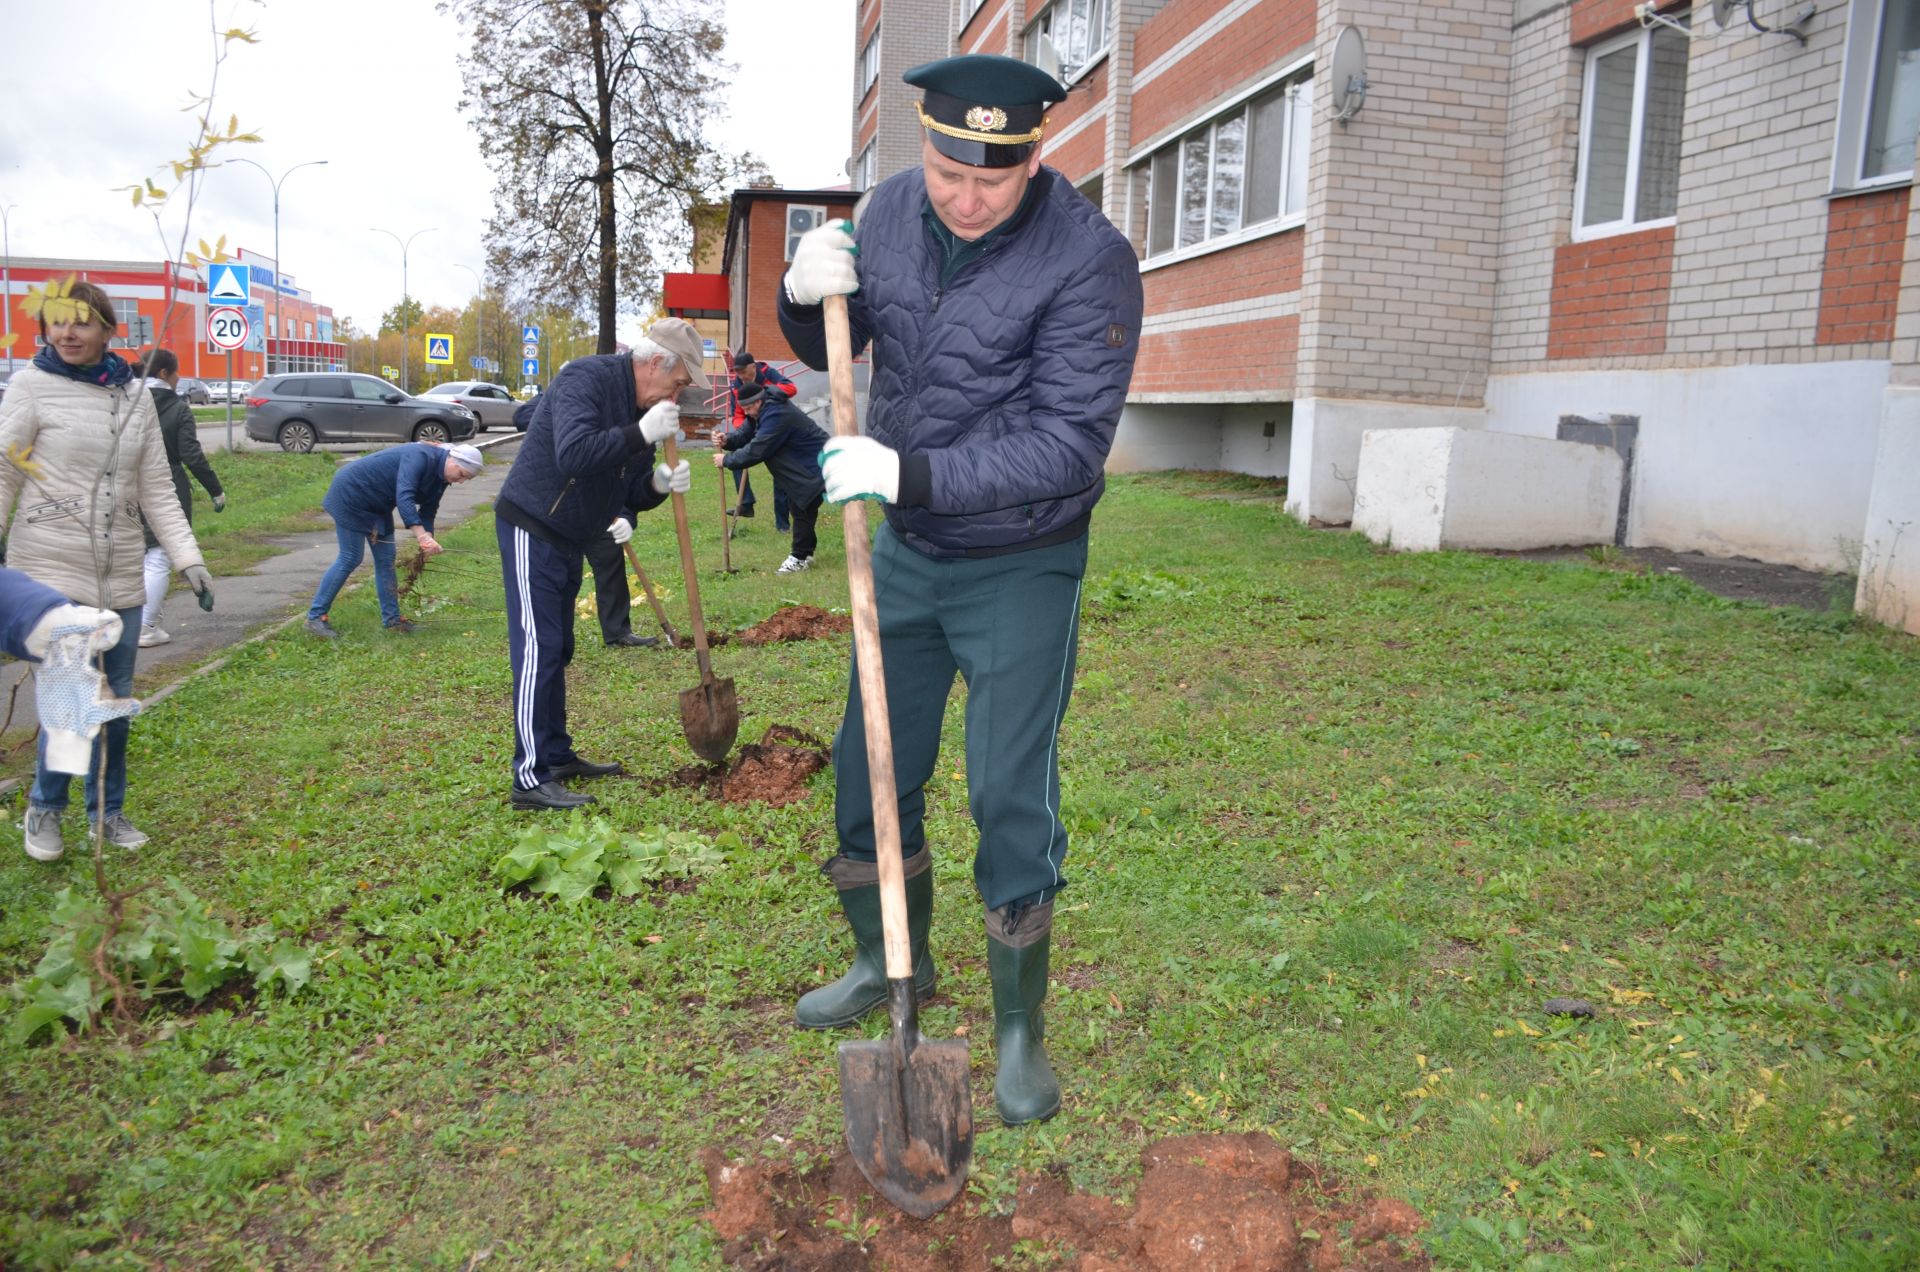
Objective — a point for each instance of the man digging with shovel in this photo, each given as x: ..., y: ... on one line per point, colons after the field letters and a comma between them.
x: 1003, y: 312
x: 587, y: 461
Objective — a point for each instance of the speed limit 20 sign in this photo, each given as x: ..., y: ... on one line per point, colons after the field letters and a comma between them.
x: 228, y: 328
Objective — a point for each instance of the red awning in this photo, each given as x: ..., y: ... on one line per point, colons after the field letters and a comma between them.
x: 697, y: 295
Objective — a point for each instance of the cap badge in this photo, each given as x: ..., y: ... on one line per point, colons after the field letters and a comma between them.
x: 986, y: 119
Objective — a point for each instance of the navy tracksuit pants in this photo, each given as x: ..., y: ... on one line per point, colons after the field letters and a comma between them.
x: 543, y: 582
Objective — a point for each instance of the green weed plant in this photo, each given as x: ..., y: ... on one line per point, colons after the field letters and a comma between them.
x: 571, y: 862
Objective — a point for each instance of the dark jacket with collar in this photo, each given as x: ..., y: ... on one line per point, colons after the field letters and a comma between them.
x: 408, y: 479
x: 583, y: 461
x: 788, y: 442
x: 182, y: 440
x: 998, y: 373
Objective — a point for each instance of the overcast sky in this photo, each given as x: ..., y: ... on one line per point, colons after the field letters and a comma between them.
x: 92, y: 98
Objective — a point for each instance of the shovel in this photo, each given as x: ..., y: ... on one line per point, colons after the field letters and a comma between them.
x: 907, y: 1107
x: 710, y: 711
x: 726, y: 526
x: 659, y: 611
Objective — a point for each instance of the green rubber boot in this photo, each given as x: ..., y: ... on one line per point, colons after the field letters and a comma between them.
x: 1024, y: 1088
x: 864, y: 987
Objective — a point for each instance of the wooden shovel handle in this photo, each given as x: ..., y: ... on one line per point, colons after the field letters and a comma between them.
x: 866, y: 648
x: 687, y: 570
x: 646, y: 585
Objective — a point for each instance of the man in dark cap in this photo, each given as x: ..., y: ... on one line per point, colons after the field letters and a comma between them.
x: 788, y: 442
x: 747, y: 372
x: 1003, y: 311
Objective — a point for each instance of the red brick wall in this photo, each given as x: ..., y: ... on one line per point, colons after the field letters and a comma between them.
x: 766, y: 248
x: 1261, y: 268
x: 1260, y: 354
x: 1610, y: 296
x: 1597, y: 19
x: 1860, y: 281
x: 977, y: 37
x: 1260, y: 39
x: 1084, y: 155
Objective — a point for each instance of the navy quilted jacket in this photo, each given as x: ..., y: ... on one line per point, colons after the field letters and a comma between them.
x: 583, y: 461
x: 1002, y: 387
x: 788, y: 442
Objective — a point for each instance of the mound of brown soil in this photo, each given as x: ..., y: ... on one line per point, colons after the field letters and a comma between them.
x: 1206, y: 1203
x: 797, y: 622
x: 773, y: 770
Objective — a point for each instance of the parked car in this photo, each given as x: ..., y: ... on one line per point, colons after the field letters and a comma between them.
x: 194, y: 391
x: 217, y: 391
x: 300, y: 410
x: 493, y: 403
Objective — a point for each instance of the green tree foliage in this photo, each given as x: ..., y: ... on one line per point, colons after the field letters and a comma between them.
x: 593, y: 114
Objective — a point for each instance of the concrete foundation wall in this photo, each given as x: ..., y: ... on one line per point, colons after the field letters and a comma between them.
x: 1324, y: 462
x: 1771, y: 461
x: 1208, y: 435
x: 1430, y: 488
x: 1890, y: 557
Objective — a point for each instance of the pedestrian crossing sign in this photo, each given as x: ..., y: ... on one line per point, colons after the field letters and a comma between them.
x: 439, y: 348
x: 228, y: 286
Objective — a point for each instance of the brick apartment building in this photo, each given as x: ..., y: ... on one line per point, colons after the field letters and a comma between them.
x: 1546, y: 217
x: 139, y: 290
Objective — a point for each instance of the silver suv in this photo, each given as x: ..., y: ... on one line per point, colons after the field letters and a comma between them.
x: 493, y: 403
x: 299, y: 410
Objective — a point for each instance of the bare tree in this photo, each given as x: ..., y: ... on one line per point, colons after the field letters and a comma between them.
x: 592, y: 114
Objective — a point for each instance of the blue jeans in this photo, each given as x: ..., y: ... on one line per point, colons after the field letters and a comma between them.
x: 353, y: 545
x: 50, y: 789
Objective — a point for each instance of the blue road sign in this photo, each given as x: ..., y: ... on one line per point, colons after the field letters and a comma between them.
x: 229, y: 285
x: 529, y: 367
x: 257, y: 315
x: 529, y: 334
x: 478, y: 364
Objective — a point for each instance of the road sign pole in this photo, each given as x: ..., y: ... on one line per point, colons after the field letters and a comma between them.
x: 229, y: 401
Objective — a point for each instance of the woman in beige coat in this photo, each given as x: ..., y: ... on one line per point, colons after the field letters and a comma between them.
x: 80, y: 461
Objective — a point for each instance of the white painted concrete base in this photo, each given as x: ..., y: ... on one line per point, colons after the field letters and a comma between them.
x: 1325, y: 463
x: 1241, y: 437
x: 1423, y: 489
x: 1772, y: 462
x: 1890, y: 556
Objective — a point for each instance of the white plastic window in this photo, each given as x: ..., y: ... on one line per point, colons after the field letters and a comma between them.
x: 1880, y: 95
x: 1238, y: 171
x: 1631, y: 111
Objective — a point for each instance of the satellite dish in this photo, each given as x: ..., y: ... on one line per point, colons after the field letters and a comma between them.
x: 1723, y: 12
x: 1348, y: 73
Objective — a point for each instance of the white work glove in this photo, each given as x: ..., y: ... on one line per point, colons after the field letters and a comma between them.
x: 677, y: 480
x: 621, y: 529
x: 69, y: 691
x: 661, y: 421
x: 202, y: 584
x: 860, y: 468
x: 220, y: 502
x: 823, y: 264
x: 102, y: 626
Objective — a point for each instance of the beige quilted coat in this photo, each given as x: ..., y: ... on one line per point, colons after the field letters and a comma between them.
x: 75, y: 527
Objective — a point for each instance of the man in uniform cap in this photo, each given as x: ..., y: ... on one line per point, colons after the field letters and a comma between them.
x: 584, y: 470
x: 1003, y: 311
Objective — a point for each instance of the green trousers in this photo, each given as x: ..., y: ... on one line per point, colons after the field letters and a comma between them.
x: 1010, y: 626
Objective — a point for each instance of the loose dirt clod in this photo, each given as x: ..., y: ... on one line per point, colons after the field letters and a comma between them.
x: 773, y: 770
x: 797, y: 622
x: 1205, y: 1203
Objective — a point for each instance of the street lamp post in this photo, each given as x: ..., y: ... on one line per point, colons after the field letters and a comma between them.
x: 406, y: 321
x: 480, y: 314
x: 279, y: 270
x: 6, y: 280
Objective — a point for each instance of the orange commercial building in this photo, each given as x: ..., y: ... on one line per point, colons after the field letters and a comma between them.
x: 163, y: 305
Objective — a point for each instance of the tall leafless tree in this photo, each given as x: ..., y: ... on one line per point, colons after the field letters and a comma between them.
x: 593, y: 114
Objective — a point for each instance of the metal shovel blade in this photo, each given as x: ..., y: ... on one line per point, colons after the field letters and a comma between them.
x: 710, y: 717
x: 909, y: 1117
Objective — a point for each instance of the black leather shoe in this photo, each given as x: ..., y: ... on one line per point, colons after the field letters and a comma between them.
x: 577, y: 767
x: 629, y: 641
x: 741, y: 512
x: 549, y: 795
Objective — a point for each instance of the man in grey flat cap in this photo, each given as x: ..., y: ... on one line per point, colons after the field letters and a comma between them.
x: 585, y: 467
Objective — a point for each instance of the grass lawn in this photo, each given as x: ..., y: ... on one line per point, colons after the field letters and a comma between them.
x: 1342, y: 821
x: 269, y: 493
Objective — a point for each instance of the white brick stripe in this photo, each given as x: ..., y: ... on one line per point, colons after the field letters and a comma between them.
x: 1277, y: 305
x: 987, y: 27
x: 1191, y: 41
